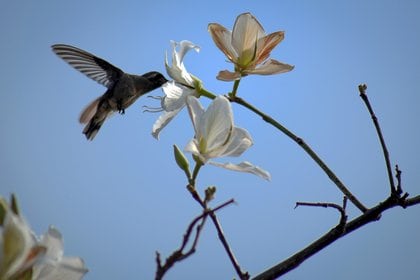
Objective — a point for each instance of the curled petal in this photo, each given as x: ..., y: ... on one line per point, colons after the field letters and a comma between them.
x: 244, y: 167
x: 223, y: 40
x: 228, y: 76
x: 270, y: 67
x: 177, y: 70
x: 162, y: 121
x: 186, y: 46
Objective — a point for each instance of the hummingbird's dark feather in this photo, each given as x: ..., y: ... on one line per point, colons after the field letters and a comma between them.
x: 92, y: 66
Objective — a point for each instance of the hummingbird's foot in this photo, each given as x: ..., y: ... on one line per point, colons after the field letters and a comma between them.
x: 120, y: 108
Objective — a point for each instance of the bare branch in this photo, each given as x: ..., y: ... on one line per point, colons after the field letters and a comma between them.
x: 336, y: 233
x: 179, y: 254
x: 306, y: 148
x: 341, y: 209
x: 362, y: 90
x: 242, y: 275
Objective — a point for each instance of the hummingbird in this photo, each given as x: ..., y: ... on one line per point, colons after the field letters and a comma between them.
x: 123, y: 89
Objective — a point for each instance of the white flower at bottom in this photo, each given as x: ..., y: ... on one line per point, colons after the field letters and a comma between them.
x: 55, y: 265
x: 216, y: 136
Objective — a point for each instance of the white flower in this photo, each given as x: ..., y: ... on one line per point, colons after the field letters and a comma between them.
x: 216, y: 136
x: 177, y: 91
x: 55, y: 265
x: 248, y: 47
x: 18, y: 251
x: 23, y: 256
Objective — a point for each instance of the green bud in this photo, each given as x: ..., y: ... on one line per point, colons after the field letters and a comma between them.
x: 210, y: 192
x: 3, y: 210
x: 182, y: 161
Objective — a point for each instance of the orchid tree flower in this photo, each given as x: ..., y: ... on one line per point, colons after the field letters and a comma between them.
x: 24, y: 256
x: 18, y: 250
x: 216, y: 136
x: 248, y: 47
x: 183, y: 85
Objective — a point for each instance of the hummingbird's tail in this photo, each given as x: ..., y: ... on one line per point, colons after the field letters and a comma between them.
x: 92, y: 128
x: 94, y: 115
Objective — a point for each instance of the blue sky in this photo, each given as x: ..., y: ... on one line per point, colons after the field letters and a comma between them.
x: 120, y: 198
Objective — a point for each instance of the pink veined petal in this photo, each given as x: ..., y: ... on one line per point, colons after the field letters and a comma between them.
x: 228, y: 76
x: 216, y: 123
x: 266, y: 44
x: 271, y: 67
x: 246, y: 31
x: 223, y: 40
x: 162, y: 121
x: 244, y: 167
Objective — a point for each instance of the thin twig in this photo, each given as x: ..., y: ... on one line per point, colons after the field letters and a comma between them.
x: 398, y: 176
x: 341, y: 209
x: 362, y: 91
x: 179, y: 254
x: 242, y: 275
x: 306, y: 148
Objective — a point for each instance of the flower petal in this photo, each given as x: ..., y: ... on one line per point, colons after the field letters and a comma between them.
x: 162, y: 121
x: 177, y: 70
x: 175, y: 96
x: 266, y: 44
x: 228, y: 76
x: 246, y: 31
x: 69, y: 268
x: 271, y: 67
x: 216, y: 123
x: 244, y: 167
x: 186, y: 46
x: 239, y: 142
x: 53, y: 241
x: 223, y: 40
x: 196, y: 112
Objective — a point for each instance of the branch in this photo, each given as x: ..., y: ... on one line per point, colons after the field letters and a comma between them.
x: 242, y: 275
x: 178, y: 255
x: 362, y: 90
x: 341, y: 209
x: 306, y: 148
x: 371, y: 215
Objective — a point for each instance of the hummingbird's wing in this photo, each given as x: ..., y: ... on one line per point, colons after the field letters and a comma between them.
x: 92, y: 66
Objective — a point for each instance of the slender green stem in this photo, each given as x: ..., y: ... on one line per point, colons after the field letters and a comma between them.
x: 306, y: 148
x: 235, y: 88
x: 198, y: 165
x: 203, y: 92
